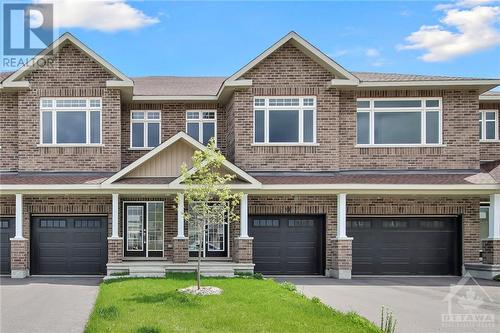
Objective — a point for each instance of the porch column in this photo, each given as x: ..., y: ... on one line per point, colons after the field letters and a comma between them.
x: 19, y: 246
x: 114, y: 216
x: 243, y: 244
x: 180, y: 215
x: 115, y: 242
x: 181, y: 251
x: 491, y: 245
x: 341, y: 244
x: 244, y: 216
x: 19, y: 216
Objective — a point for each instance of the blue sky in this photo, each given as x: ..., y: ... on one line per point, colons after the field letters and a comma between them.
x: 217, y: 38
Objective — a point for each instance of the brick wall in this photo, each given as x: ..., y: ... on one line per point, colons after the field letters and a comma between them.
x: 467, y: 207
x: 490, y: 150
x: 8, y: 131
x: 491, y: 251
x: 73, y: 74
x: 460, y: 135
x: 287, y: 72
x: 173, y: 121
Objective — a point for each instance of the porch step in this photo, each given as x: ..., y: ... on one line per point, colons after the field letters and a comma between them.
x: 146, y: 271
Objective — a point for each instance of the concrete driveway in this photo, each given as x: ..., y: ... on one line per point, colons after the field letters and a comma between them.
x: 42, y: 304
x: 420, y: 304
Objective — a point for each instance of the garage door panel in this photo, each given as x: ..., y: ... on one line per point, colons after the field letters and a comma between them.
x: 404, y: 245
x: 287, y: 244
x: 69, y: 245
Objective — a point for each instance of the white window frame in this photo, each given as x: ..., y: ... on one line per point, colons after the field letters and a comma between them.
x: 200, y: 121
x: 423, y: 109
x: 301, y: 107
x: 483, y: 121
x: 54, y: 109
x: 145, y: 123
x: 124, y: 216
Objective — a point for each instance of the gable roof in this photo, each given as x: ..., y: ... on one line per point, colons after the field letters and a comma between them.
x: 195, y: 144
x: 305, y: 47
x: 14, y: 79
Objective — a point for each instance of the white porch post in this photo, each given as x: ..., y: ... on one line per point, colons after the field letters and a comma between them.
x: 114, y: 216
x: 494, y: 221
x: 244, y: 216
x: 19, y: 216
x: 341, y: 215
x: 180, y: 215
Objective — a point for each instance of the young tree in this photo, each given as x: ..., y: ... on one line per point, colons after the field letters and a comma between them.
x: 208, y: 195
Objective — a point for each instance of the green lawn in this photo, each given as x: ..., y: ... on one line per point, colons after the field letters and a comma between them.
x: 247, y: 305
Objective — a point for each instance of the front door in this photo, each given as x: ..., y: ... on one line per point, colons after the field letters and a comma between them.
x: 214, y: 242
x: 135, y: 229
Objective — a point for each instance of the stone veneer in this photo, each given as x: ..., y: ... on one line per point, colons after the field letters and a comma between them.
x: 491, y: 251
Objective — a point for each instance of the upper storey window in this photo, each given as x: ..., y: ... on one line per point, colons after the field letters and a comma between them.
x: 285, y: 120
x: 399, y: 122
x: 145, y: 129
x: 488, y: 125
x: 70, y: 121
x: 202, y: 125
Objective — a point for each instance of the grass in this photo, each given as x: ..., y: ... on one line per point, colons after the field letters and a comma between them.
x: 247, y: 305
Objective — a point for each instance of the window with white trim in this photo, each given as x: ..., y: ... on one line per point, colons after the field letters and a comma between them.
x: 488, y: 125
x: 399, y: 122
x: 202, y: 125
x: 70, y: 121
x: 145, y: 129
x: 285, y: 120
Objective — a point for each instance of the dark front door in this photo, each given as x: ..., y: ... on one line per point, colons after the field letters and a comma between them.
x: 135, y: 229
x: 287, y: 244
x: 7, y: 231
x: 214, y: 243
x: 69, y: 245
x: 405, y: 245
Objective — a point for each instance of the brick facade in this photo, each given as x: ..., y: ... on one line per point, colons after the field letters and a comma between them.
x: 19, y: 258
x: 491, y: 251
x: 173, y: 121
x: 341, y: 258
x: 115, y: 250
x: 243, y: 250
x: 73, y: 74
x: 181, y: 253
x: 490, y: 151
x: 8, y: 132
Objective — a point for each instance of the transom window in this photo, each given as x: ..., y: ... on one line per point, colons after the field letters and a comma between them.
x: 488, y: 125
x: 145, y: 129
x: 399, y: 121
x: 202, y: 125
x: 70, y: 121
x: 285, y: 120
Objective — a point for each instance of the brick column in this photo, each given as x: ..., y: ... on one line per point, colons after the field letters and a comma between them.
x: 181, y: 251
x: 341, y: 258
x: 115, y: 250
x: 243, y: 247
x: 491, y: 251
x: 19, y: 258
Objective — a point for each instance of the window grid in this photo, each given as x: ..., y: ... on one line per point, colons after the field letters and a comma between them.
x: 427, y: 105
x: 201, y: 117
x: 145, y: 118
x: 50, y: 107
x: 483, y: 123
x: 284, y: 103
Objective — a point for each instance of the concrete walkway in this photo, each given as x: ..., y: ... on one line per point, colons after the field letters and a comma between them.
x: 420, y: 304
x: 42, y: 304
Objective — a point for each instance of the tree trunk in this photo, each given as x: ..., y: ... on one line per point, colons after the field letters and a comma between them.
x: 198, y: 273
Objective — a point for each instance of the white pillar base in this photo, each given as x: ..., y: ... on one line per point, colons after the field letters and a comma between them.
x: 342, y: 274
x: 19, y: 273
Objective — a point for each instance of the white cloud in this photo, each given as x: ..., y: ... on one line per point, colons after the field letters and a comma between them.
x: 102, y: 15
x: 372, y: 52
x: 468, y: 26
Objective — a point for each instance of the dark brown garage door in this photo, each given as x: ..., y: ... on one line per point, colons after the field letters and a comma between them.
x: 69, y: 245
x: 287, y: 244
x: 405, y: 245
x: 7, y: 231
